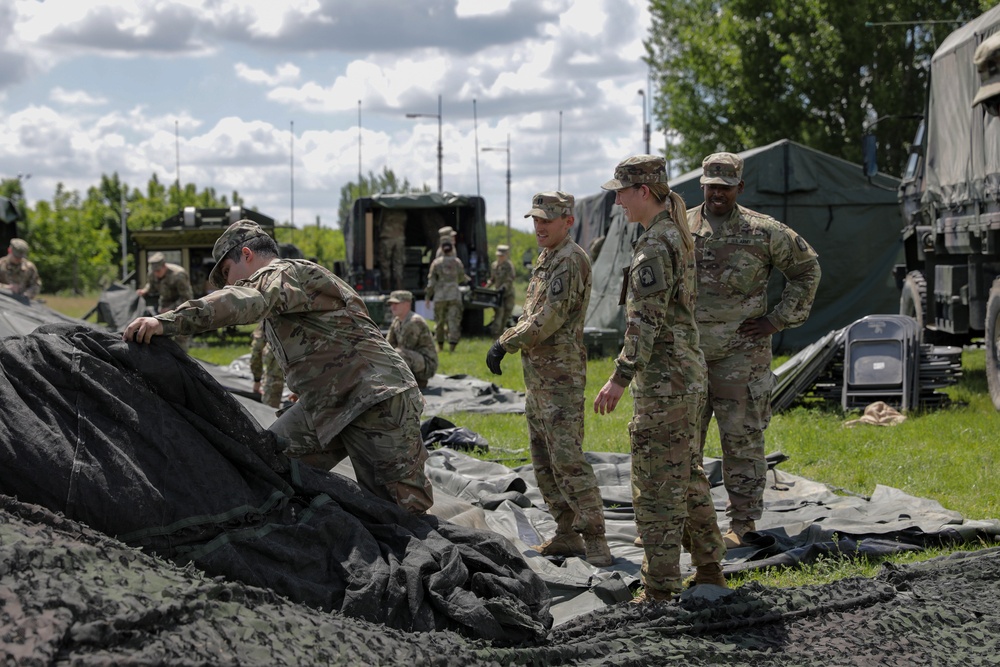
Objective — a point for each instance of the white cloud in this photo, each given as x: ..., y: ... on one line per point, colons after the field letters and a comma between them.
x: 283, y: 74
x: 60, y: 95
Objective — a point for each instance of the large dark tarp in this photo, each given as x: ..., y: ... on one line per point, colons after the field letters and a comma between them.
x: 139, y: 442
x: 852, y: 223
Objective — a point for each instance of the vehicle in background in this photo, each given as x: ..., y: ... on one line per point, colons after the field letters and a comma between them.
x: 425, y: 213
x: 950, y: 200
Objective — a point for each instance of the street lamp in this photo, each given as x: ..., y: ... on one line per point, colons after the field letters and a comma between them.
x: 645, y: 123
x: 440, y: 151
x: 506, y: 150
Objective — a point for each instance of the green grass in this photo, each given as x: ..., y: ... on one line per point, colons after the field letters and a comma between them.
x: 948, y: 455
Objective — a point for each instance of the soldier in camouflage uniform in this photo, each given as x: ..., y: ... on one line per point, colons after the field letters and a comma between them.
x: 356, y: 396
x: 411, y: 337
x: 663, y: 366
x: 443, y: 279
x: 502, y: 279
x: 268, y: 380
x: 549, y: 335
x: 737, y: 249
x: 392, y: 248
x: 173, y: 286
x: 18, y: 274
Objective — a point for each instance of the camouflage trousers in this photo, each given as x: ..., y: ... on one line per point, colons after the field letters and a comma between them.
x: 670, y: 492
x: 448, y: 321
x: 384, y: 444
x: 392, y: 259
x: 565, y: 478
x: 739, y: 395
x: 271, y: 389
x: 423, y: 369
x: 502, y: 314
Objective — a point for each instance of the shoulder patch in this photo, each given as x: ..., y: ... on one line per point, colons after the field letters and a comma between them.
x: 557, y: 286
x: 648, y: 278
x: 801, y: 243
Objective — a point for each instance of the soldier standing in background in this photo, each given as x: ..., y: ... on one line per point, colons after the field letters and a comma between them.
x: 171, y: 283
x: 662, y: 364
x: 356, y: 396
x: 549, y: 335
x: 502, y: 279
x: 411, y: 337
x: 443, y: 279
x: 737, y: 249
x: 268, y: 380
x: 18, y: 273
x: 392, y: 248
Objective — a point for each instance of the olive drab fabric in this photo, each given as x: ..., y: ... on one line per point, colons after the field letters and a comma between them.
x: 662, y: 363
x: 412, y: 339
x: 549, y: 335
x: 392, y: 248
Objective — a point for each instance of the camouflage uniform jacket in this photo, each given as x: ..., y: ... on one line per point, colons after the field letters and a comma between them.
x: 444, y: 277
x: 661, y: 355
x: 333, y: 355
x: 733, y: 270
x: 263, y: 364
x: 174, y: 287
x: 502, y: 276
x: 412, y: 333
x: 550, y: 328
x: 23, y: 277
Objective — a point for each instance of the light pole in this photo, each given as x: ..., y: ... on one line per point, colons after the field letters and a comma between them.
x: 645, y: 123
x: 440, y: 149
x: 506, y: 150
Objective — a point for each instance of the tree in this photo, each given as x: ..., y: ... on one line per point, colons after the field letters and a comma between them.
x: 735, y: 74
x: 385, y: 183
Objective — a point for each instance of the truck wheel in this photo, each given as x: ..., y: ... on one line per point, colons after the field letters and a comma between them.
x: 913, y: 299
x: 993, y: 343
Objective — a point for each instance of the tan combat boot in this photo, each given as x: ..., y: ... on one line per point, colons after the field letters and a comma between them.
x: 563, y: 544
x: 707, y: 574
x: 737, y: 529
x: 649, y: 596
x: 597, y: 550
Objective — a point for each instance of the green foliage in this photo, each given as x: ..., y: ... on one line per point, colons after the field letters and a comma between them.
x: 322, y: 244
x: 520, y: 243
x: 387, y: 182
x: 736, y: 74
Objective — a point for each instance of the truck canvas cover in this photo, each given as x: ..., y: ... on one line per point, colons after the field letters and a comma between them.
x: 960, y: 170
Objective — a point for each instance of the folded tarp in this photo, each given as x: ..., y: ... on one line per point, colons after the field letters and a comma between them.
x: 140, y: 443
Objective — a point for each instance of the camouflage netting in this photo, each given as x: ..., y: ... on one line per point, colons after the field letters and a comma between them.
x: 70, y: 595
x: 138, y: 442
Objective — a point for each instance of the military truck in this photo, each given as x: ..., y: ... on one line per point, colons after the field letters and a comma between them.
x: 425, y: 213
x: 950, y: 199
x: 187, y: 238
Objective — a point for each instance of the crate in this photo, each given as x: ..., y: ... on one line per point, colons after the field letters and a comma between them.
x: 602, y: 343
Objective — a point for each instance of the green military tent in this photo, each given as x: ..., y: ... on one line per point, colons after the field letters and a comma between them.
x: 853, y: 224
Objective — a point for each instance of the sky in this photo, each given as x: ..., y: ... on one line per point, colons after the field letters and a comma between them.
x: 285, y: 101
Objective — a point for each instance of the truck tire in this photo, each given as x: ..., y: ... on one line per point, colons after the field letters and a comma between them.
x: 993, y: 343
x: 913, y: 300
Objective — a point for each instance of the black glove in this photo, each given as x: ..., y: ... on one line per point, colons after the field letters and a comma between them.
x: 494, y: 357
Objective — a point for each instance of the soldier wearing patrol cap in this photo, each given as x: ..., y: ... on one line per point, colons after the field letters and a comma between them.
x: 987, y: 60
x: 502, y: 279
x: 411, y: 337
x: 445, y: 276
x: 662, y: 364
x: 18, y: 274
x: 356, y: 395
x: 172, y: 285
x: 737, y: 249
x: 549, y: 336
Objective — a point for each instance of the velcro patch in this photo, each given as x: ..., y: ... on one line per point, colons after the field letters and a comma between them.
x: 648, y: 277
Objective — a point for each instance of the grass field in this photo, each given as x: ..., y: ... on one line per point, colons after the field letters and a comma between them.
x: 949, y: 455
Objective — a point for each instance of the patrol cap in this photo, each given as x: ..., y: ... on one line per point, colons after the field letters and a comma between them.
x: 19, y: 248
x: 400, y: 296
x: 446, y: 232
x: 987, y: 61
x: 156, y: 259
x: 550, y: 205
x: 235, y: 235
x: 722, y: 169
x: 638, y: 170
x: 503, y: 249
